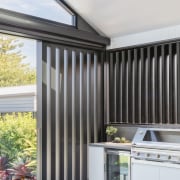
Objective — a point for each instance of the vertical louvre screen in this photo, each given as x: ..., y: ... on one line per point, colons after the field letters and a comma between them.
x: 72, y: 109
x: 145, y: 85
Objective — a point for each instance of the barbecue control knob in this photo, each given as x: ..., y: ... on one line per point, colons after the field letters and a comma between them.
x: 148, y: 155
x: 138, y: 154
x: 169, y: 157
x: 158, y: 156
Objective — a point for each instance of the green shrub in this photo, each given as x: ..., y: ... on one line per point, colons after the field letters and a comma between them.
x: 18, y: 136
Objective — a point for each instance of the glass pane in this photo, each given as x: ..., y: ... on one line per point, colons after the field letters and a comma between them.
x: 117, y: 167
x: 47, y: 9
x: 18, y: 133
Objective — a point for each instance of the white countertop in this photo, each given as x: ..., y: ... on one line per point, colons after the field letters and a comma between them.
x: 120, y: 146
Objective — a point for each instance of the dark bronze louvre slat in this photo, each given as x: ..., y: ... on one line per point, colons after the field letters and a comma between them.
x: 73, y: 115
x: 77, y: 98
x: 123, y: 88
x: 174, y: 83
x: 120, y: 87
x: 167, y: 84
x: 164, y: 117
x: 58, y: 134
x: 84, y: 115
x: 106, y: 89
x: 101, y: 101
x: 142, y: 92
x: 117, y: 90
x: 156, y: 82
x: 136, y: 87
x: 65, y: 114
x: 115, y: 87
x: 147, y: 87
x: 81, y: 114
x: 48, y: 76
x: 150, y: 78
x: 69, y: 111
x: 92, y: 97
x: 129, y: 89
x: 133, y: 77
x: 152, y: 113
x: 88, y: 97
x: 160, y: 87
x: 107, y: 96
x: 95, y: 98
x: 61, y: 119
x: 178, y: 82
x: 111, y: 102
x: 170, y: 85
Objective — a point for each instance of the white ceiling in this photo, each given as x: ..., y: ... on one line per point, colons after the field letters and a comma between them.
x: 115, y: 18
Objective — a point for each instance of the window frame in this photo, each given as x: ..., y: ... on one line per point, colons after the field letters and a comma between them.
x: 51, y: 21
x: 41, y: 29
x: 69, y: 10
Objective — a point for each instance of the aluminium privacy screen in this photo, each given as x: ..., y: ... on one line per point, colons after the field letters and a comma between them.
x: 145, y: 84
x: 72, y: 106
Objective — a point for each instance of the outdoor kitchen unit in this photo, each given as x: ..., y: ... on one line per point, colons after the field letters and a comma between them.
x: 155, y: 154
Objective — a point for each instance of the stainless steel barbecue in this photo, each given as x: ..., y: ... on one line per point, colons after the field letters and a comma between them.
x: 155, y: 154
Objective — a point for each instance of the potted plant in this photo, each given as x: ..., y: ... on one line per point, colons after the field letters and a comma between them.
x: 111, y: 131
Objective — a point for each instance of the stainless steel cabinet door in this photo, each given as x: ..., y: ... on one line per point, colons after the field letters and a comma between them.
x: 140, y: 170
x: 170, y: 173
x: 149, y: 170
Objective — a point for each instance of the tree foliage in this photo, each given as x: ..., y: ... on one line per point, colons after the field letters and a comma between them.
x: 13, y: 71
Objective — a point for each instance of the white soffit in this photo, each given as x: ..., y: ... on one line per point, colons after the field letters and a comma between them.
x: 115, y: 18
x: 168, y: 33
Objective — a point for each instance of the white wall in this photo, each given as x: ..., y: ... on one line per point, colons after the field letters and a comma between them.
x: 18, y: 99
x: 172, y: 32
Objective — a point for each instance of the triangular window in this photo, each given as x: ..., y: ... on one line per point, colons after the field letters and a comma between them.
x: 46, y: 9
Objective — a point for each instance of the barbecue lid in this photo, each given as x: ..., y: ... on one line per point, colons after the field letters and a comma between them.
x: 157, y: 138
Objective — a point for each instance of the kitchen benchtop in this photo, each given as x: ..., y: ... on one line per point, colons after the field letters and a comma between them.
x: 120, y: 146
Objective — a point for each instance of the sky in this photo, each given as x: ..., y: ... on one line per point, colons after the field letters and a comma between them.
x: 29, y: 51
x: 47, y: 9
